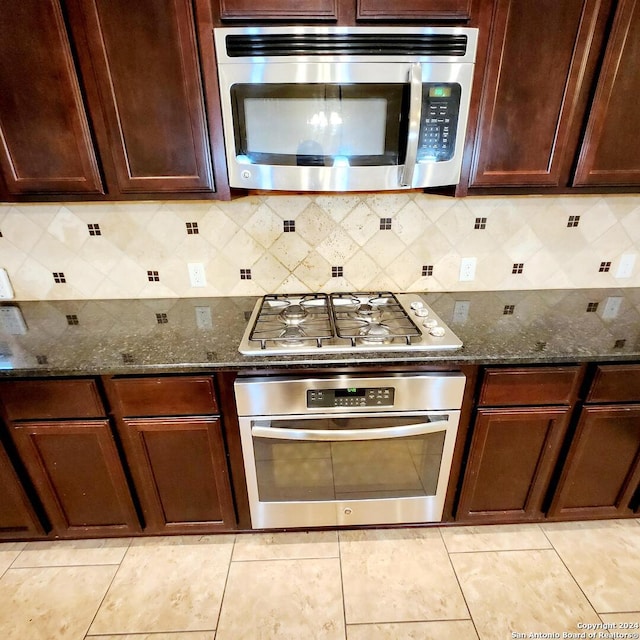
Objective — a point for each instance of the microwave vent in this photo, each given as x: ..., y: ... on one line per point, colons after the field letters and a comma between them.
x: 332, y: 44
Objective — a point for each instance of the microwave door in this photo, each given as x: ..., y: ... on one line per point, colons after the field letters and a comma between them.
x: 343, y: 126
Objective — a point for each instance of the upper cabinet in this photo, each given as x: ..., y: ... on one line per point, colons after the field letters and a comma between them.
x: 144, y: 58
x: 345, y: 11
x: 45, y: 140
x: 610, y: 153
x: 556, y: 108
x: 106, y: 97
x: 541, y: 62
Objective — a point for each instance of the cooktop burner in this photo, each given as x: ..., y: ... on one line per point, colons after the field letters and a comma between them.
x: 343, y: 323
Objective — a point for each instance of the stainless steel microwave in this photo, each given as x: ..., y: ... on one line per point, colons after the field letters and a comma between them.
x: 344, y: 108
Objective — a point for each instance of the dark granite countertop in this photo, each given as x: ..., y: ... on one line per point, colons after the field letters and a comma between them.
x: 154, y: 336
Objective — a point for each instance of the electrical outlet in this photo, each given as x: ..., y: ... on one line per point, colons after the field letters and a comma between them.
x: 6, y: 290
x: 12, y: 320
x: 461, y: 311
x: 611, y: 307
x: 197, y: 276
x: 468, y: 269
x: 625, y: 268
x: 203, y: 318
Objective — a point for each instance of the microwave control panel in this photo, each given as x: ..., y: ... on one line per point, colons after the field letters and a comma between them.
x: 440, y: 108
x: 351, y: 397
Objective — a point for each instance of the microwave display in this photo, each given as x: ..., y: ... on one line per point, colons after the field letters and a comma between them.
x: 439, y: 122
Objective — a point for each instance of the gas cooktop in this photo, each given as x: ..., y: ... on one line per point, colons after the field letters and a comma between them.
x: 343, y: 323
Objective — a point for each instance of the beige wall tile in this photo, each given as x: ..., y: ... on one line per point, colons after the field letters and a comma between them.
x: 331, y: 230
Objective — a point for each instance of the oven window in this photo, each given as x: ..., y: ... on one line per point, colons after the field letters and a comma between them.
x: 299, y: 470
x: 320, y: 124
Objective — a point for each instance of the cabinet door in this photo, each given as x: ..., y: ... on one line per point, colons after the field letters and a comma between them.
x: 541, y: 62
x: 414, y: 9
x: 279, y: 9
x: 180, y: 472
x: 602, y: 471
x: 512, y: 456
x: 45, y: 144
x: 17, y: 517
x: 610, y: 152
x: 145, y: 60
x: 76, y: 470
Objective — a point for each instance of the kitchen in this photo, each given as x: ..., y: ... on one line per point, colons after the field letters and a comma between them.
x: 117, y: 306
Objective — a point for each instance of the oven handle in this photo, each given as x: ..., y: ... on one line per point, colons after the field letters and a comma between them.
x: 336, y: 435
x: 413, y: 134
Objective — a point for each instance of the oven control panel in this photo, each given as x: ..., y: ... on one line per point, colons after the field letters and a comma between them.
x: 351, y: 397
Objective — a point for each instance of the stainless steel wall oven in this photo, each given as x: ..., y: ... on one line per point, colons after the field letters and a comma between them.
x: 348, y: 450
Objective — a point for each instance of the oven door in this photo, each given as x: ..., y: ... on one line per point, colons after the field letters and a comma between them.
x: 348, y: 469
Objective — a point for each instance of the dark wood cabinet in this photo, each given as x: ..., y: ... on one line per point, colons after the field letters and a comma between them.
x: 279, y: 9
x: 109, y: 100
x: 172, y: 436
x: 180, y: 472
x: 520, y: 426
x: 67, y: 448
x: 601, y: 476
x: 610, y: 153
x: 541, y: 62
x: 144, y: 59
x: 76, y: 470
x: 345, y: 11
x: 512, y: 457
x: 18, y: 518
x: 46, y: 144
x: 414, y: 10
x: 602, y: 471
x: 555, y: 108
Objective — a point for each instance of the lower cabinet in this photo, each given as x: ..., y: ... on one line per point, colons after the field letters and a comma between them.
x: 171, y: 432
x: 601, y: 476
x: 17, y: 516
x: 179, y: 470
x: 77, y: 473
x: 512, y: 457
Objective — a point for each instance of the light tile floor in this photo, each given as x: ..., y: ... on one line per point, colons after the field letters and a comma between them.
x: 455, y: 583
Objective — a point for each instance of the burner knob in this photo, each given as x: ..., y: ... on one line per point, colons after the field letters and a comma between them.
x: 417, y: 305
x: 422, y: 312
x: 438, y: 332
x: 430, y: 323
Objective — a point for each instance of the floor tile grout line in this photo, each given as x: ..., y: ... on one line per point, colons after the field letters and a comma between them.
x: 64, y: 566
x: 575, y: 580
x: 420, y: 621
x: 226, y: 583
x: 455, y: 574
x: 344, y: 604
x: 115, y: 573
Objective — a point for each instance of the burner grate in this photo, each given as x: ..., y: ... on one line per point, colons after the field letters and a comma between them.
x: 309, y: 322
x: 372, y: 317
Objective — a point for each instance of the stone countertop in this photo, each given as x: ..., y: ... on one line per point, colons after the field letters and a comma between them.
x: 197, y: 334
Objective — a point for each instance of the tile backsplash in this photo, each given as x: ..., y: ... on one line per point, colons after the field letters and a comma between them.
x: 298, y: 243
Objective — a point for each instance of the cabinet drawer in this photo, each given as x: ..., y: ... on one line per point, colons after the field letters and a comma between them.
x: 615, y: 383
x: 44, y: 399
x: 165, y: 396
x: 524, y: 386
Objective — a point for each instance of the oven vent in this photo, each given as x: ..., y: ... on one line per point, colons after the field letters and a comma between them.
x: 348, y: 44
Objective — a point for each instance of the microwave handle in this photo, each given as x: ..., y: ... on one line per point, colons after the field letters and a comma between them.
x: 337, y: 435
x: 413, y: 135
